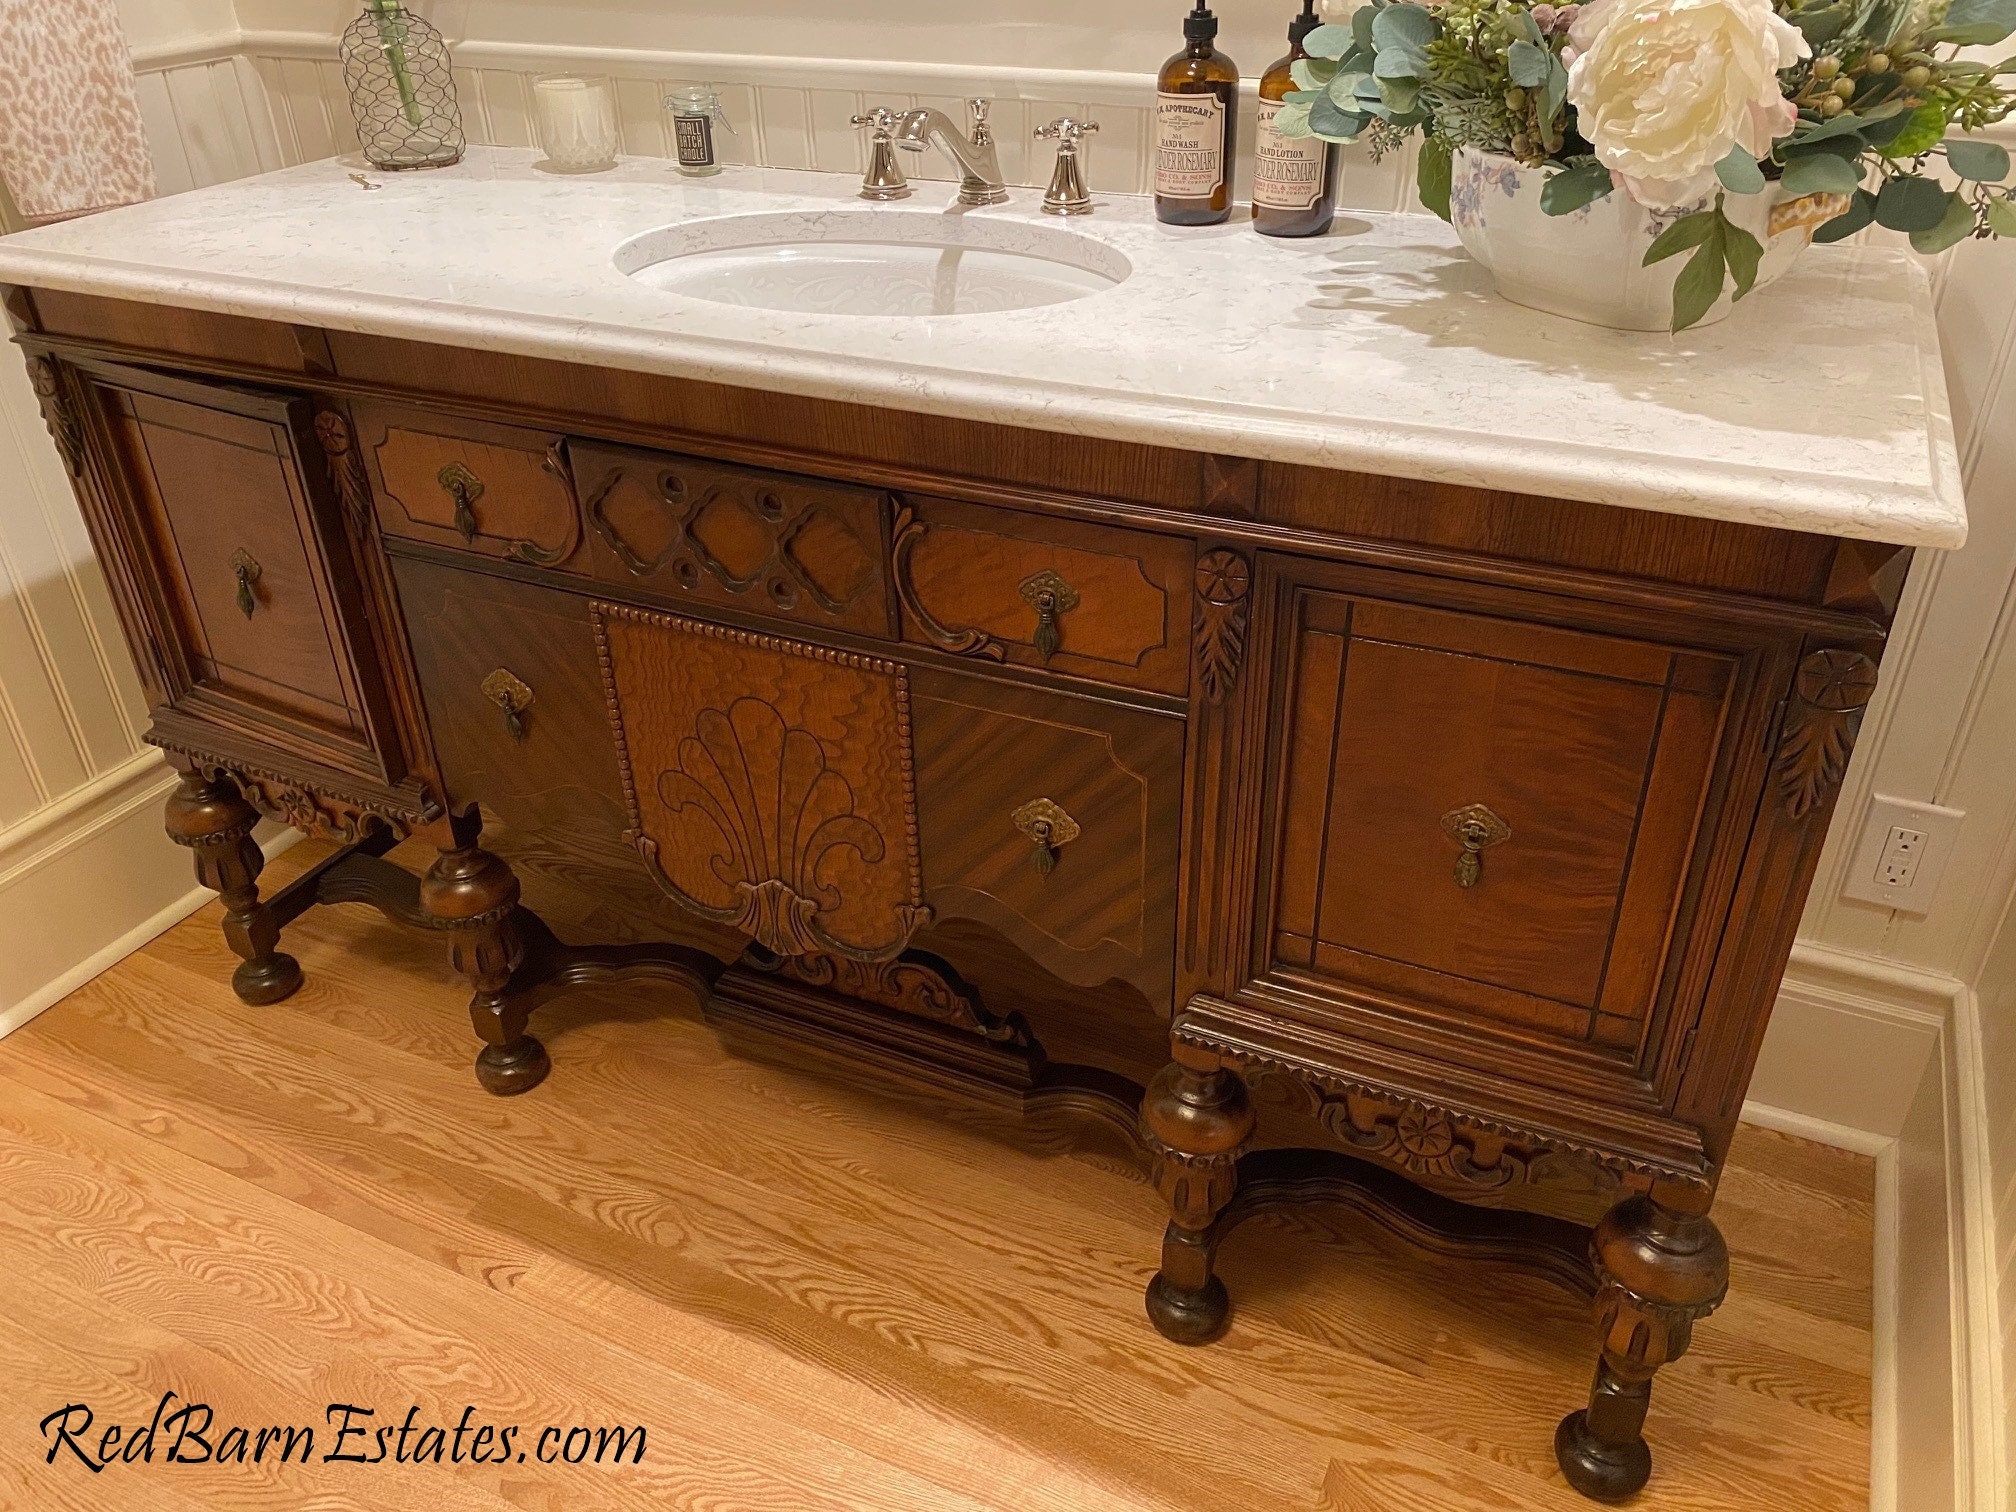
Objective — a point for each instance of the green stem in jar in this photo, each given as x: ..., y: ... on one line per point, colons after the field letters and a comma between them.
x: 392, y: 42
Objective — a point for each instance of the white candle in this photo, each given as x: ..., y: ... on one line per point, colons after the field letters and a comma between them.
x: 577, y: 122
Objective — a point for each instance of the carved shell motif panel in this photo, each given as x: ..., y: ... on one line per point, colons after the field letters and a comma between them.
x: 769, y: 782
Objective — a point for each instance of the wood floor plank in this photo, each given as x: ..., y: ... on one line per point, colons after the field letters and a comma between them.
x: 812, y: 1296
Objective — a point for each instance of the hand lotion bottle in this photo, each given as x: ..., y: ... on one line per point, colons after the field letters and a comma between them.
x: 1294, y: 178
x: 1196, y: 128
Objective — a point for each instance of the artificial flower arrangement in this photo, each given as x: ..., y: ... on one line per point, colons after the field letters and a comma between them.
x: 1672, y: 101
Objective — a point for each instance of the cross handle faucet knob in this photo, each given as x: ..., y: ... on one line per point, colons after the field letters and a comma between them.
x: 1067, y: 131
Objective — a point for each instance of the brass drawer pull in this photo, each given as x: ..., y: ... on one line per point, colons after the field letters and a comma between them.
x: 511, y: 695
x: 1052, y: 598
x: 247, y: 571
x: 1476, y: 829
x: 465, y: 488
x: 1049, y: 829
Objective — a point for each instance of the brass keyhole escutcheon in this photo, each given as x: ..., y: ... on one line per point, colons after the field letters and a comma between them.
x: 1048, y: 828
x: 247, y: 571
x: 1476, y: 829
x: 1052, y: 598
x: 510, y: 694
x: 465, y: 488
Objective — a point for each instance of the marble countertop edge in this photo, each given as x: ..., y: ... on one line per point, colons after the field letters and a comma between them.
x: 1548, y: 467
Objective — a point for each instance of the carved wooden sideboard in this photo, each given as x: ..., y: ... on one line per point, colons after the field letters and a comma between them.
x: 1460, y: 833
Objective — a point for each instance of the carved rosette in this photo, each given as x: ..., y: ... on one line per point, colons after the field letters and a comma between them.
x: 1427, y: 1142
x: 916, y: 984
x: 1224, y: 587
x: 1822, y: 719
x: 345, y: 463
x: 57, y: 414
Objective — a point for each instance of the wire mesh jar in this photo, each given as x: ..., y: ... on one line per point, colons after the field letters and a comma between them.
x: 402, y: 92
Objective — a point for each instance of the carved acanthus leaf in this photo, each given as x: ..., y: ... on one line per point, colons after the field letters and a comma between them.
x: 57, y: 415
x: 915, y: 983
x: 1224, y: 586
x: 345, y: 463
x: 1822, y: 719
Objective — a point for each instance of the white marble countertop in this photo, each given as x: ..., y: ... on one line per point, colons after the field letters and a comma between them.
x: 1820, y: 405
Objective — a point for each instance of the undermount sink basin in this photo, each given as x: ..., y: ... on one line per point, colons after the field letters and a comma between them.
x: 873, y: 262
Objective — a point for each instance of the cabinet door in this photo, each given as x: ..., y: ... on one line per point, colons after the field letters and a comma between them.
x: 246, y: 592
x: 1053, y: 820
x: 1490, y: 831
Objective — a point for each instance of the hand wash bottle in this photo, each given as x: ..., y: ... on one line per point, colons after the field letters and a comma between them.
x: 1196, y: 128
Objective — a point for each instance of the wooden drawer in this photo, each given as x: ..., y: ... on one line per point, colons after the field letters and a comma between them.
x: 495, y: 490
x: 993, y: 761
x: 1485, y: 829
x: 239, y: 585
x: 804, y: 550
x: 982, y: 582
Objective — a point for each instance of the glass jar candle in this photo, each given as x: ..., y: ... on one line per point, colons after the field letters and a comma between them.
x: 576, y: 122
x: 696, y: 112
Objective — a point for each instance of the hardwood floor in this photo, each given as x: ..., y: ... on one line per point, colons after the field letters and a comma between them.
x: 867, y: 1304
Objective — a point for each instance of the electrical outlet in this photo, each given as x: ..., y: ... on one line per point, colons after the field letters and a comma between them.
x: 1901, y: 854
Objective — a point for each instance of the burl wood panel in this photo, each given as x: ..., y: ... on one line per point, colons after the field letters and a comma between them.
x: 493, y: 489
x: 967, y: 577
x: 1596, y: 752
x: 1106, y: 907
x: 794, y: 548
x: 769, y: 781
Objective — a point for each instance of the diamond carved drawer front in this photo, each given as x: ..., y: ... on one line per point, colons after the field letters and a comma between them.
x: 769, y: 783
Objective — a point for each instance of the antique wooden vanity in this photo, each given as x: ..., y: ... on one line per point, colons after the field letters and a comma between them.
x: 1469, y: 830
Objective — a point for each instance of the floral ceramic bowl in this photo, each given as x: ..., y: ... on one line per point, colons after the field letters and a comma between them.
x: 1590, y: 263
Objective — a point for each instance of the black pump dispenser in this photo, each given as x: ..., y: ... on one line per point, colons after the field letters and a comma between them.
x: 1201, y: 25
x: 1303, y: 24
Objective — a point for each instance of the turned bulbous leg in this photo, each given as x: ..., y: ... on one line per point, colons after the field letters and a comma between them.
x: 1197, y: 1118
x: 214, y: 822
x: 1660, y: 1270
x: 474, y: 895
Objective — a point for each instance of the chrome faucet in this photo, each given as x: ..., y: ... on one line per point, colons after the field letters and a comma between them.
x: 979, y: 162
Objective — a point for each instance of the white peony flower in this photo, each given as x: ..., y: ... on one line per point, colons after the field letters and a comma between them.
x: 1663, y: 88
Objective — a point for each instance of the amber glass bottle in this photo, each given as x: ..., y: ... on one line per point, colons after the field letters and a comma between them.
x: 1294, y: 178
x: 1196, y: 128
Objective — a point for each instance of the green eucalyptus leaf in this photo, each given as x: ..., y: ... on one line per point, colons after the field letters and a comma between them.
x: 1572, y: 188
x: 1821, y: 24
x: 1329, y: 42
x: 1924, y: 131
x: 1700, y: 282
x: 1400, y: 63
x: 1742, y: 252
x: 1361, y: 25
x: 1555, y: 94
x: 1344, y: 89
x: 1399, y: 94
x: 1821, y: 173
x: 1845, y: 124
x: 1523, y: 23
x: 1911, y: 204
x: 1292, y: 119
x: 1529, y: 64
x: 1334, y: 125
x: 1404, y: 26
x: 1984, y: 162
x: 1312, y: 73
x: 1434, y: 172
x: 1739, y: 172
x: 1364, y: 92
x: 1882, y: 134
x: 1861, y: 212
x: 1998, y: 16
x: 2002, y: 218
x: 1688, y: 231
x: 1955, y: 226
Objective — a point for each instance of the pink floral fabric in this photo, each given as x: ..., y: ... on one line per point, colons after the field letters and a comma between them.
x: 71, y: 140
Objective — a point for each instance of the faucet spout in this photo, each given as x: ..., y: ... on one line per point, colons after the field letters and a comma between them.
x: 979, y: 160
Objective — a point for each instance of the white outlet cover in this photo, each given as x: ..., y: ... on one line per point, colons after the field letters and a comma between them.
x: 1941, y: 826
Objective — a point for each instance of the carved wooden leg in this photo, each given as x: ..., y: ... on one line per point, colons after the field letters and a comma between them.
x: 1660, y: 1270
x: 474, y: 895
x: 1197, y: 1118
x: 215, y: 822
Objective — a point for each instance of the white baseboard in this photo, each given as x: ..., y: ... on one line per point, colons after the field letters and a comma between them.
x: 88, y: 881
